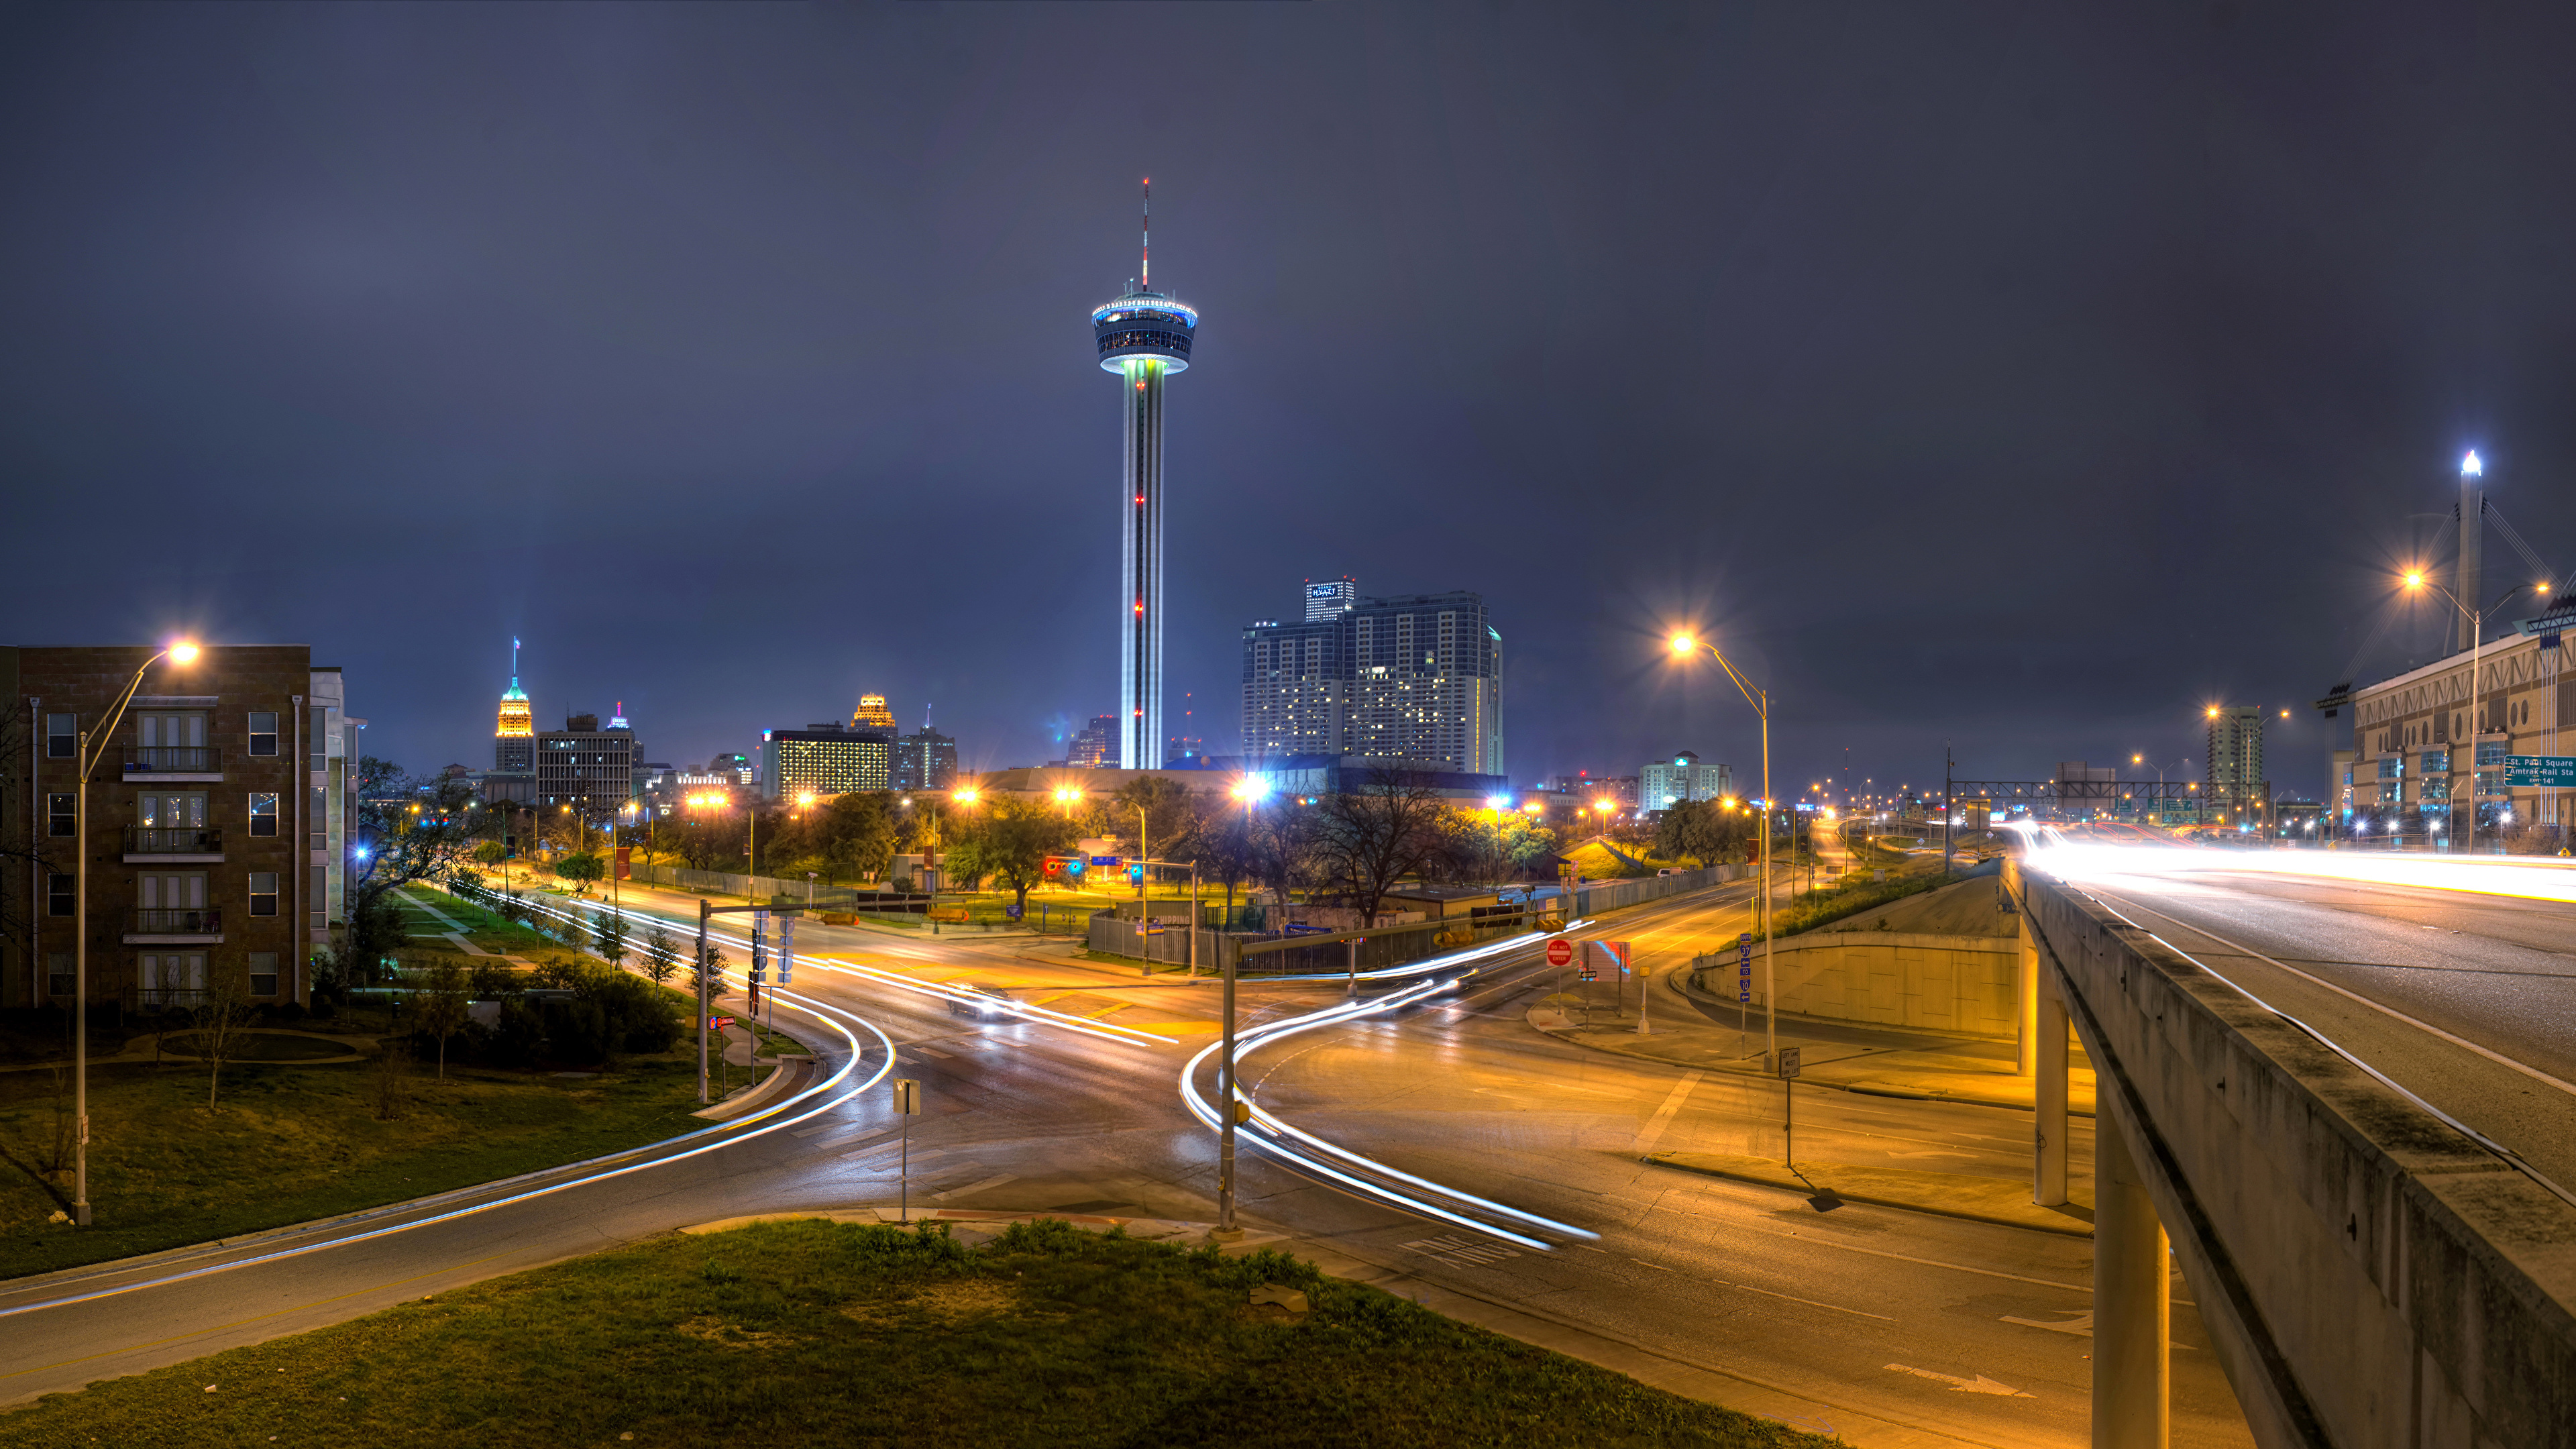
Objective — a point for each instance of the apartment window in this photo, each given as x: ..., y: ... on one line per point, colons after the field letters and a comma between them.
x: 172, y: 812
x: 263, y: 973
x: 263, y: 732
x: 174, y: 892
x: 317, y: 748
x: 59, y: 893
x: 263, y: 812
x: 62, y: 736
x: 317, y: 900
x: 62, y: 815
x: 263, y: 893
x: 61, y: 973
x: 318, y: 823
x: 170, y: 731
x: 169, y: 976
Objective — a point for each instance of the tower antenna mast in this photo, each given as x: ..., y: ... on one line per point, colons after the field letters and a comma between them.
x: 1148, y: 284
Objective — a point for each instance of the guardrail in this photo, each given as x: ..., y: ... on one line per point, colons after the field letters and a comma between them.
x: 174, y: 759
x: 205, y: 922
x: 165, y: 840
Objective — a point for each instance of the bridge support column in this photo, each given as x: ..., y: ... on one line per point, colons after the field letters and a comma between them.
x: 2132, y: 1303
x: 2047, y: 1039
x: 2029, y: 992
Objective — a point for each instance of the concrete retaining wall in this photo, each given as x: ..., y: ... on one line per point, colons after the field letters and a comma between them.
x: 1961, y: 984
x: 2370, y: 1276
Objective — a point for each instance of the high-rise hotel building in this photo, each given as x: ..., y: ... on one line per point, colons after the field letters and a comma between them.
x: 1417, y: 677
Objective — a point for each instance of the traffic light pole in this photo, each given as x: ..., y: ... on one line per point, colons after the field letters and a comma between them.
x: 706, y: 911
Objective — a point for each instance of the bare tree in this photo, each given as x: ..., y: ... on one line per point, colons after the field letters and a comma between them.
x: 220, y: 1023
x: 661, y: 954
x: 442, y: 998
x: 1368, y: 839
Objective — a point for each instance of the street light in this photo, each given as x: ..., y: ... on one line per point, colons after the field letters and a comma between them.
x: 2415, y: 580
x: 1685, y: 647
x: 181, y: 652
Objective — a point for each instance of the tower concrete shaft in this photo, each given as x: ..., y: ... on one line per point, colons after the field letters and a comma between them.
x: 1140, y: 648
x: 1142, y: 338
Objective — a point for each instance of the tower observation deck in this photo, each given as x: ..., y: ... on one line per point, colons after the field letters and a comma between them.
x: 1143, y: 337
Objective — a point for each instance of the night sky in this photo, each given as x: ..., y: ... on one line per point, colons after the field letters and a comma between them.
x: 2023, y: 375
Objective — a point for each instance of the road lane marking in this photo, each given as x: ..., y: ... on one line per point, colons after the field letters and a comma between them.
x: 1663, y: 1117
x: 994, y: 1181
x: 2499, y: 1058
x: 1794, y: 1298
x: 931, y: 1052
x: 2080, y: 1325
x: 1978, y: 1385
x: 852, y: 1137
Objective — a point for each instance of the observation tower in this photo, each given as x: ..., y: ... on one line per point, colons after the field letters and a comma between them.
x: 1143, y: 337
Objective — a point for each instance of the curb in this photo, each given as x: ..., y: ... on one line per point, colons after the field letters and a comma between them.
x: 1150, y: 1229
x: 2037, y: 1220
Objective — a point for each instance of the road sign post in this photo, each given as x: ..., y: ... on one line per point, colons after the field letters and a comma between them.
x: 907, y: 1105
x: 1788, y: 1107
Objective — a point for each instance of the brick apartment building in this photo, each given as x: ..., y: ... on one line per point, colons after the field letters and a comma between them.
x: 218, y: 822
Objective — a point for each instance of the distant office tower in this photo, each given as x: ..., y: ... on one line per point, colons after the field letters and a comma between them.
x: 1296, y: 680
x: 513, y: 776
x: 2234, y: 779
x: 830, y: 758
x: 1143, y: 336
x: 1416, y: 677
x: 586, y: 767
x: 1667, y: 783
x: 1332, y: 596
x: 1096, y: 748
x: 926, y: 761
x: 872, y: 713
x: 737, y: 766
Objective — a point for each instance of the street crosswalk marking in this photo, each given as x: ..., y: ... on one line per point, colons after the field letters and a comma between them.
x: 847, y: 1137
x: 994, y: 1181
x: 1460, y: 1252
x: 893, y: 1154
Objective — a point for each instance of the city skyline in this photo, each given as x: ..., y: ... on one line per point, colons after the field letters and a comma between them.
x: 745, y: 421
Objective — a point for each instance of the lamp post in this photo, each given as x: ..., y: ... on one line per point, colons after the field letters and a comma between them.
x: 2415, y: 579
x: 1684, y: 646
x: 92, y: 743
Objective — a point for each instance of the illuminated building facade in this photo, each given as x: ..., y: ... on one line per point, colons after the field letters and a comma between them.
x: 872, y: 713
x: 1415, y: 677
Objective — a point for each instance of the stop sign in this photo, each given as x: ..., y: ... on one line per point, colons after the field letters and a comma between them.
x: 1560, y: 952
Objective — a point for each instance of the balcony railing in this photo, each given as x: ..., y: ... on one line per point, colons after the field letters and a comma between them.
x: 151, y: 840
x: 203, y: 922
x: 174, y: 759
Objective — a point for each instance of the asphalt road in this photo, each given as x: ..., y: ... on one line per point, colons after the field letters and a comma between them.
x: 1890, y: 1327
x: 2465, y: 998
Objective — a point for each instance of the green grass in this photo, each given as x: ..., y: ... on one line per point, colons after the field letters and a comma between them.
x: 292, y: 1143
x: 810, y: 1333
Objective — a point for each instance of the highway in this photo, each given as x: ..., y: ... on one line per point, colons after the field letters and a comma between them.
x: 2454, y: 978
x: 1889, y: 1327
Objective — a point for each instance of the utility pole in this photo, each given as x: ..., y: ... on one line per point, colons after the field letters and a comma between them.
x: 1229, y: 952
x: 1947, y: 764
x: 703, y: 1003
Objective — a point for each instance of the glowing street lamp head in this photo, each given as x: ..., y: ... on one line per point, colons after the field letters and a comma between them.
x: 2213, y: 711
x: 2414, y: 578
x: 968, y: 795
x: 183, y: 652
x: 1683, y: 644
x: 804, y: 799
x: 2470, y: 467
x: 1495, y: 802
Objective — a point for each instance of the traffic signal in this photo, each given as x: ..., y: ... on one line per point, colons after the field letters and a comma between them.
x: 1136, y: 873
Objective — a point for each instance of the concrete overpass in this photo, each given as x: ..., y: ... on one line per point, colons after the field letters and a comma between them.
x: 2372, y: 1271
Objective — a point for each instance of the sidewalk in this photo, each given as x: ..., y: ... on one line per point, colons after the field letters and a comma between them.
x: 1871, y: 1061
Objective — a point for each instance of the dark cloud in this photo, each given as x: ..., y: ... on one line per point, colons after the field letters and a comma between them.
x: 2022, y: 375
